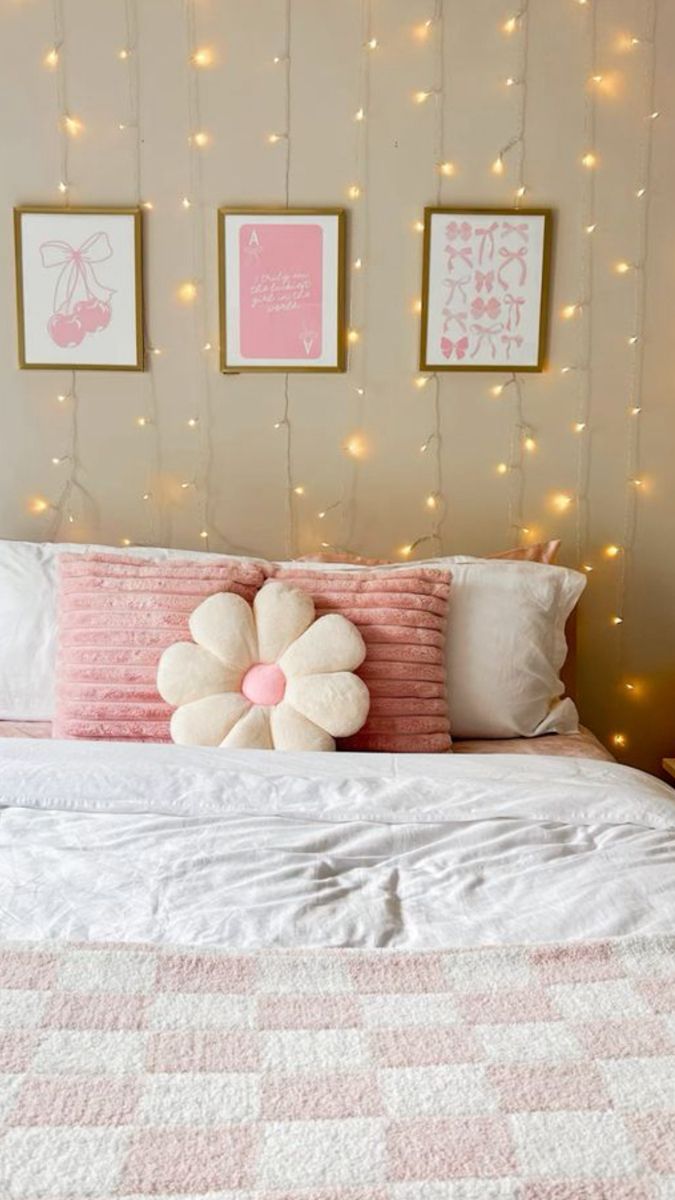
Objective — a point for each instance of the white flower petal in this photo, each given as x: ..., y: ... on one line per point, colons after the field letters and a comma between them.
x: 187, y: 672
x: 224, y: 625
x: 282, y: 614
x: 251, y: 733
x: 338, y: 702
x: 292, y: 731
x: 331, y: 644
x: 206, y: 722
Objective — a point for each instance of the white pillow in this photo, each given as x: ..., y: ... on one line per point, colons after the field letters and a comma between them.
x: 28, y: 621
x: 505, y: 644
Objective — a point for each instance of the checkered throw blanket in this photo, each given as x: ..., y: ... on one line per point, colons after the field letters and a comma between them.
x: 542, y: 1073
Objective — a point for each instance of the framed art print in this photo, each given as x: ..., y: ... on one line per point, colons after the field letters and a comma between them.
x: 79, y: 286
x: 485, y: 286
x: 282, y: 289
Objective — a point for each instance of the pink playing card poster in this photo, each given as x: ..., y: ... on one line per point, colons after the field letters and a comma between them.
x: 281, y: 290
x: 485, y: 290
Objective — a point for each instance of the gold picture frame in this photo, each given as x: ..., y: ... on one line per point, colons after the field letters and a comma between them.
x: 234, y: 362
x: 536, y: 318
x: 133, y: 339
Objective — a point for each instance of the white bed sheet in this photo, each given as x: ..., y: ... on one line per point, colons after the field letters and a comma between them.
x: 133, y: 842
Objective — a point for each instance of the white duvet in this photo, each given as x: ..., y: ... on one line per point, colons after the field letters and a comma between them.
x: 249, y: 849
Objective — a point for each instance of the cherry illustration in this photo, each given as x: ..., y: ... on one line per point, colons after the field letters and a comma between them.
x: 94, y: 314
x: 66, y: 330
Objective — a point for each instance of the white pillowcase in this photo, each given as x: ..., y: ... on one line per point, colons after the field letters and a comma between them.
x: 28, y: 620
x: 505, y: 644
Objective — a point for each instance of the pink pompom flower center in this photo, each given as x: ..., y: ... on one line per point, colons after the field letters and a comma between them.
x: 264, y: 684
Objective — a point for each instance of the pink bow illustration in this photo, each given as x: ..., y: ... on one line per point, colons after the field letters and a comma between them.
x: 485, y: 281
x: 486, y: 333
x: 77, y: 268
x: 510, y: 340
x: 487, y: 238
x: 515, y: 303
x: 517, y: 257
x: 459, y: 317
x: 463, y: 252
x: 521, y: 230
x: 459, y: 348
x: 457, y: 285
x: 454, y: 230
x: 486, y: 308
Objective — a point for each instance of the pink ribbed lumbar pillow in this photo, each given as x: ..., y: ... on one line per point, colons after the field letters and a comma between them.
x: 402, y: 616
x: 116, y: 616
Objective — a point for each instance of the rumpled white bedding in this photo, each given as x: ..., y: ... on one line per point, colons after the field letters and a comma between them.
x: 126, y: 842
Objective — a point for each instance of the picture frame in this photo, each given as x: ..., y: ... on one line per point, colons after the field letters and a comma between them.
x: 485, y: 289
x: 282, y: 289
x: 79, y: 288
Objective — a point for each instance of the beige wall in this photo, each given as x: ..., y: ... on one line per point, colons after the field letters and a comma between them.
x: 245, y: 499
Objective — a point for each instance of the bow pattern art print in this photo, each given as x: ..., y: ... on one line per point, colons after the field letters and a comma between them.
x: 485, y: 289
x: 79, y: 288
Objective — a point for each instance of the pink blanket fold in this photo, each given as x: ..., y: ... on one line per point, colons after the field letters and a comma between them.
x: 529, y: 1072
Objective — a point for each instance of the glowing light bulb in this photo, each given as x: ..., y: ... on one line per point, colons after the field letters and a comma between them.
x: 186, y: 202
x: 73, y: 126
x: 619, y: 739
x: 193, y: 422
x: 202, y: 57
x: 353, y: 336
x: 321, y: 514
x: 146, y: 496
x: 653, y: 116
x: 354, y: 191
x: 38, y: 505
x: 125, y: 541
x: 142, y: 422
x: 201, y: 138
x: 622, y: 268
x: 63, y: 187
x: 203, y: 533
x: 640, y: 192
x: 561, y: 502
x: 148, y: 205
x: 632, y: 341
x: 354, y: 446
x: 406, y: 551
x: 617, y: 620
x: 421, y: 97
x: 502, y: 468
x: 569, y: 311
x: 51, y: 58
x: 358, y: 263
x: 635, y: 410
x: 185, y: 485
x: 431, y: 501
x: 359, y: 115
x: 530, y: 444
x: 497, y: 389
x: 421, y: 381
x: 590, y: 160
x: 156, y: 350
x: 372, y: 43
x: 360, y: 391
x: 612, y: 551
x: 579, y: 426
x: 422, y: 31
x: 638, y: 483
x: 565, y: 370
x: 511, y: 82
x: 187, y: 292
x: 56, y: 461
x: 447, y: 168
x: 61, y: 398
x: 207, y: 346
x: 123, y: 54
x: 587, y: 568
x: 299, y: 490
x: 510, y: 25
x: 416, y: 306
x: 520, y: 192
x: 418, y: 226
x: 498, y: 165
x: 591, y: 228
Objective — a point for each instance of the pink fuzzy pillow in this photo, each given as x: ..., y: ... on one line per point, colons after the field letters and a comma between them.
x: 402, y: 616
x: 116, y: 617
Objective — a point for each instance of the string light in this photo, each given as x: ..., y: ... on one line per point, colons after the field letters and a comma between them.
x: 202, y: 57
x: 502, y: 468
x: 354, y: 191
x: 201, y: 138
x: 622, y: 268
x: 619, y: 740
x: 498, y: 165
x: 612, y: 551
x: 355, y: 446
x: 51, y: 58
x: 73, y: 126
x: 187, y: 292
x: 561, y: 502
x: 590, y: 160
x: 447, y: 169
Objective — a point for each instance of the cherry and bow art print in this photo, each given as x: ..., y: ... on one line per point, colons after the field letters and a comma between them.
x: 282, y: 290
x: 485, y: 289
x: 79, y: 285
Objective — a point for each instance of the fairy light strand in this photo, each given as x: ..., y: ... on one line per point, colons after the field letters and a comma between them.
x: 520, y: 24
x: 581, y: 426
x: 291, y: 535
x: 198, y: 141
x: 130, y: 56
x: 57, y: 58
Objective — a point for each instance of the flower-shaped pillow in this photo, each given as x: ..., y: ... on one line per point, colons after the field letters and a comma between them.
x: 265, y: 677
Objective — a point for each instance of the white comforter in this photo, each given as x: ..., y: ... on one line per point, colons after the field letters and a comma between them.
x: 160, y: 843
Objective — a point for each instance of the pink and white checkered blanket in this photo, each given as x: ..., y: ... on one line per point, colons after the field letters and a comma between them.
x: 542, y: 1073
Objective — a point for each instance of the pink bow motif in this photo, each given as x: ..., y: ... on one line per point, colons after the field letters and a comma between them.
x: 510, y: 340
x: 486, y: 281
x: 486, y: 333
x: 463, y: 252
x: 459, y: 317
x: 487, y: 238
x: 459, y: 348
x: 517, y: 257
x: 457, y: 285
x: 486, y: 308
x: 521, y: 230
x: 77, y: 269
x: 453, y: 230
x: 514, y: 303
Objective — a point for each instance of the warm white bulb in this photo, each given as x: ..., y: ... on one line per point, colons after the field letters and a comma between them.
x: 186, y: 202
x: 418, y: 226
x: 612, y: 551
x: 421, y: 381
x: 63, y: 187
x: 589, y: 159
x: 654, y: 115
x: 569, y: 311
x: 51, y: 58
x: 372, y: 43
x: 498, y: 165
x: 123, y: 54
x: 622, y: 268
x: 204, y: 533
x: 202, y: 57
x: 187, y: 292
x: 579, y: 426
x: 359, y: 115
x: 141, y: 422
x: 497, y: 389
x: 358, y: 263
x: 502, y: 468
x: 591, y: 228
x: 530, y: 444
x: 561, y: 502
x: 521, y: 192
x: 193, y: 422
x: 201, y: 138
x: 447, y: 168
x: 73, y: 126
x: 148, y: 205
x: 640, y: 193
x: 353, y: 336
x: 421, y: 97
x: 299, y: 490
x: 354, y: 191
x: 432, y: 501
x: 635, y: 410
x: 355, y: 447
x: 406, y: 551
